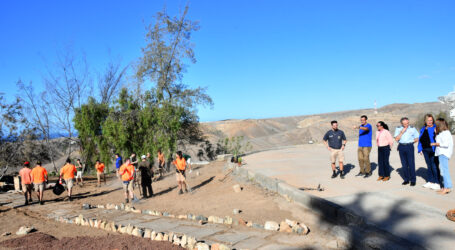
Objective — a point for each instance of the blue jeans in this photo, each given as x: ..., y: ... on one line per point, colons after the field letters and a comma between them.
x: 383, y: 161
x: 407, y: 161
x: 432, y: 168
x: 444, y: 166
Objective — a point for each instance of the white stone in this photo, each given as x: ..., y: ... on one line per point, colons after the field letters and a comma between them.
x: 201, y: 246
x: 183, y: 241
x: 159, y: 237
x: 147, y: 233
x: 153, y: 236
x: 24, y: 230
x: 271, y: 225
x: 237, y: 188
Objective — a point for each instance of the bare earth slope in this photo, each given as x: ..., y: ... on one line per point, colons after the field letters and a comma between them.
x: 295, y: 130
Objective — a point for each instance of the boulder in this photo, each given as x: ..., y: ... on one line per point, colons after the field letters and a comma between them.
x: 171, y: 236
x: 201, y: 246
x: 138, y: 232
x: 183, y: 241
x: 24, y: 230
x: 271, y: 225
x: 153, y: 235
x: 284, y: 227
x: 237, y: 188
x: 147, y: 233
x: 129, y: 229
x: 159, y: 237
x: 191, y: 242
x: 227, y: 220
x: 166, y: 237
x: 175, y: 240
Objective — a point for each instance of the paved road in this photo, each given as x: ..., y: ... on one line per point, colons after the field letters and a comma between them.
x: 414, y: 213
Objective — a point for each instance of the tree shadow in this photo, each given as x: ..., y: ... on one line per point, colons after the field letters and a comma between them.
x: 363, y: 228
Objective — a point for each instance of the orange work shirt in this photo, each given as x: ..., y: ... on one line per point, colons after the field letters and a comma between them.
x: 25, y: 175
x: 68, y: 171
x: 38, y: 174
x: 127, y: 172
x: 99, y: 167
x: 180, y: 164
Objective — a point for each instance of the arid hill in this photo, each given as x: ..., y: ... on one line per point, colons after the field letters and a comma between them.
x: 285, y: 131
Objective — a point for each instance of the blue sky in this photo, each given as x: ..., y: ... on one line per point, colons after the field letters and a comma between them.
x: 259, y: 59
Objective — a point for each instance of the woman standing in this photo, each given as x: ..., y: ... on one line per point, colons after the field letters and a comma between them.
x: 444, y: 149
x: 385, y: 142
x: 426, y: 138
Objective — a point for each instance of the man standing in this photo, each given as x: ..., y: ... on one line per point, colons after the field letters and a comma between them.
x: 406, y: 136
x: 118, y: 163
x: 335, y: 141
x: 126, y: 172
x: 146, y: 177
x: 161, y: 163
x: 80, y: 169
x: 68, y: 172
x: 100, y: 172
x: 363, y: 152
x: 26, y: 181
x: 39, y: 177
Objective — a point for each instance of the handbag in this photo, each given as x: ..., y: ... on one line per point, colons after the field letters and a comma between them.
x: 58, y: 188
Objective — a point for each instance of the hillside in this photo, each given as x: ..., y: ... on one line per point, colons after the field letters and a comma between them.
x: 285, y: 131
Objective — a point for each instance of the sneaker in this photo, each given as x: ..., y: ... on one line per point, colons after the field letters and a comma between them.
x: 386, y: 178
x: 413, y: 183
x: 360, y: 174
x: 380, y: 178
x: 427, y: 185
x: 180, y: 191
x: 367, y: 175
x: 342, y: 174
x: 334, y: 175
x: 26, y: 203
x: 405, y: 183
x: 41, y: 202
x: 435, y: 186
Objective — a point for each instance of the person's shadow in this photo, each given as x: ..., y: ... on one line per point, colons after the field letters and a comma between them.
x: 347, y: 168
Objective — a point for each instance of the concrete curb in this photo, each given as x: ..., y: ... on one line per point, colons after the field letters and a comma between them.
x: 352, y: 228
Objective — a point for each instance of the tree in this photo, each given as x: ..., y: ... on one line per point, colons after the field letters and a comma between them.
x: 38, y: 113
x: 163, y: 63
x: 66, y: 91
x: 235, y: 145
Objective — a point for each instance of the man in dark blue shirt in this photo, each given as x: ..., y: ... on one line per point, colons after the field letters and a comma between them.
x: 363, y: 152
x: 335, y: 141
x: 118, y: 163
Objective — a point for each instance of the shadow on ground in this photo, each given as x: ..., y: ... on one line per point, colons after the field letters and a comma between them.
x: 362, y: 233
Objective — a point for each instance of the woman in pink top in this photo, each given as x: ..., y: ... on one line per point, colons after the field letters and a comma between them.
x: 384, y: 141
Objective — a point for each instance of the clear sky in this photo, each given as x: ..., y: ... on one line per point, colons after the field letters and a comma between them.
x: 259, y: 59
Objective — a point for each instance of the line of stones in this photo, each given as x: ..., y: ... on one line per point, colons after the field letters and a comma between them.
x: 288, y: 226
x: 182, y: 240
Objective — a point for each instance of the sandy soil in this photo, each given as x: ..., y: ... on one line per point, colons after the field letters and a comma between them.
x: 44, y: 241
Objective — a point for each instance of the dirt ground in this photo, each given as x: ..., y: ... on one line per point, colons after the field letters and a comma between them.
x: 209, y: 197
x: 44, y: 241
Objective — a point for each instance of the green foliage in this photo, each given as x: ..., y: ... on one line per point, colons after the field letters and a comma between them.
x: 235, y: 145
x: 88, y: 121
x: 421, y: 121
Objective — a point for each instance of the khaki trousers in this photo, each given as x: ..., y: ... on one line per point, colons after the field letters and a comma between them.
x: 364, y: 159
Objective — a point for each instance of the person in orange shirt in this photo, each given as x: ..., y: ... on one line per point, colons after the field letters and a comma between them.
x: 126, y: 171
x: 180, y: 166
x: 26, y: 181
x: 161, y: 164
x: 100, y: 172
x: 68, y: 172
x: 39, y: 177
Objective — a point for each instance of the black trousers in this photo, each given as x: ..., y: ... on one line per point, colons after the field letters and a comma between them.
x: 147, y: 186
x: 383, y: 161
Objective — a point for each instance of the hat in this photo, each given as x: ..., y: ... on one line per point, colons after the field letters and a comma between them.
x: 26, y: 163
x: 143, y: 157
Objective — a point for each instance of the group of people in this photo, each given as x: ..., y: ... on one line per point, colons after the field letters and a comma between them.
x: 130, y: 172
x: 434, y: 141
x: 142, y: 173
